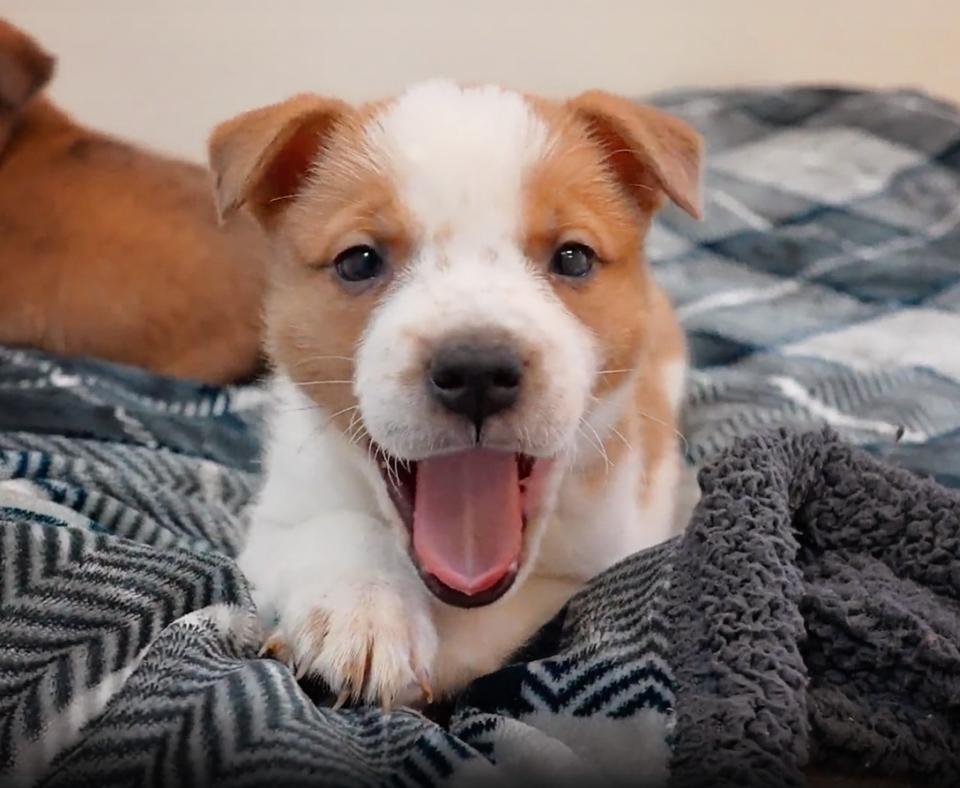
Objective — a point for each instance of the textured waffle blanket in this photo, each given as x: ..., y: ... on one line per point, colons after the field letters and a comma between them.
x: 808, y: 616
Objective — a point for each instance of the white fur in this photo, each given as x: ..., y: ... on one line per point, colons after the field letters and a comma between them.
x: 324, y: 536
x: 458, y: 157
x: 471, y: 295
x: 675, y: 382
x: 318, y: 543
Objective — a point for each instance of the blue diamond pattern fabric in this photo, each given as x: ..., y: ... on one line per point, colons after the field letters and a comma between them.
x: 824, y: 284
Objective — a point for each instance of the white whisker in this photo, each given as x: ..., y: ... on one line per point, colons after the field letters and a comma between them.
x: 357, y: 434
x: 354, y: 428
x: 299, y: 409
x: 311, y: 359
x: 340, y: 413
x: 321, y: 427
x: 619, y: 434
x: 388, y: 464
x: 597, y: 443
x: 674, y: 430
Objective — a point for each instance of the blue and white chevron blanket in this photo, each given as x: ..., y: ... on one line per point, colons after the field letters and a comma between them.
x: 808, y: 616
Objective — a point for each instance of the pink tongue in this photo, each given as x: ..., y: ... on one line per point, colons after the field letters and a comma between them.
x: 467, y: 522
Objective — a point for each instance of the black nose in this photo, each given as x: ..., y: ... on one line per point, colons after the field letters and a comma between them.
x: 474, y: 380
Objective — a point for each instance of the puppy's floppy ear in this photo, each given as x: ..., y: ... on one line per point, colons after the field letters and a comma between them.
x: 650, y: 151
x: 24, y: 67
x: 261, y: 158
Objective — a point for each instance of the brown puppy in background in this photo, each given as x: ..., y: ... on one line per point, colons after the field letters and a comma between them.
x: 111, y: 251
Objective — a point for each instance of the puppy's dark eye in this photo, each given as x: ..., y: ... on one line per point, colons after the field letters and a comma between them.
x: 573, y: 259
x: 358, y: 263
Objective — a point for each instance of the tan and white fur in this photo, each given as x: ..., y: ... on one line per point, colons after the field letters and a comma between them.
x: 468, y: 191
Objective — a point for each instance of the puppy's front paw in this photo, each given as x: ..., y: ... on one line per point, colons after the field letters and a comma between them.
x: 368, y: 641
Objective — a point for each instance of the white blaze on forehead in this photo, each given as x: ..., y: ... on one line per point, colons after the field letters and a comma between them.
x: 458, y: 158
x: 458, y: 155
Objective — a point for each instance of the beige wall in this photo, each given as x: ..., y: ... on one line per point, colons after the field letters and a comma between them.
x: 165, y: 72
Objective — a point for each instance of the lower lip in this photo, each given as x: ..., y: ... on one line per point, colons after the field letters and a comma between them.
x: 450, y: 596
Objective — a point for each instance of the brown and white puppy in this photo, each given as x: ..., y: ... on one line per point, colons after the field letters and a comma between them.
x: 107, y: 250
x: 476, y: 380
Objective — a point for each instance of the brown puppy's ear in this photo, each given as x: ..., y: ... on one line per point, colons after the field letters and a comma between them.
x: 24, y: 67
x: 261, y: 158
x: 650, y: 151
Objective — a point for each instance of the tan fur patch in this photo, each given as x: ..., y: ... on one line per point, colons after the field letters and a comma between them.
x: 108, y: 250
x: 574, y: 195
x: 314, y: 323
x: 134, y: 268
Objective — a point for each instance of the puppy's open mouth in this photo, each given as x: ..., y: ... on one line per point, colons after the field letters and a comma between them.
x: 466, y: 513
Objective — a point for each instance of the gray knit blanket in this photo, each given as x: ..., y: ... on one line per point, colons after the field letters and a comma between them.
x: 809, y: 615
x: 814, y: 614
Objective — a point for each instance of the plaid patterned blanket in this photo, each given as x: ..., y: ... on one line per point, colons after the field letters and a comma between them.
x: 823, y: 287
x: 825, y: 283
